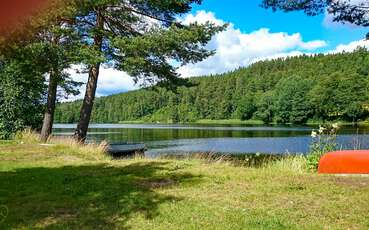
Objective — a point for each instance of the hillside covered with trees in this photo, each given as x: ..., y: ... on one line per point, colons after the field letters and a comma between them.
x: 290, y: 90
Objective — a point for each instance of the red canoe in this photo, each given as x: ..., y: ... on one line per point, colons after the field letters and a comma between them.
x: 350, y: 162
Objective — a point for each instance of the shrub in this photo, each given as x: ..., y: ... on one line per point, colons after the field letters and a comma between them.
x: 324, y: 140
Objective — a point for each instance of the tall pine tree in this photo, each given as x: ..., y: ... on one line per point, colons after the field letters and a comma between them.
x: 141, y: 37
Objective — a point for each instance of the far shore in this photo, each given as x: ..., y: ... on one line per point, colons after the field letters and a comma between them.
x: 243, y: 122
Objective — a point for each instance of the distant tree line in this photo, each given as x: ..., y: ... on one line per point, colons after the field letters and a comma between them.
x: 287, y: 90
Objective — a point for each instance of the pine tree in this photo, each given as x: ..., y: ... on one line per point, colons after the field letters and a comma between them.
x: 355, y: 12
x: 141, y: 37
x: 46, y: 44
x: 63, y: 50
x: 292, y: 90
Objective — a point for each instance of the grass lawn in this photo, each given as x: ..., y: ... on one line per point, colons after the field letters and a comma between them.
x: 61, y: 187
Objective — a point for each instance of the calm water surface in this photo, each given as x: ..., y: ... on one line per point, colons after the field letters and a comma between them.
x: 179, y: 139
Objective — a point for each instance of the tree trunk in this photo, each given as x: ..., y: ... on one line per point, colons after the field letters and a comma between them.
x: 47, y: 125
x: 88, y: 101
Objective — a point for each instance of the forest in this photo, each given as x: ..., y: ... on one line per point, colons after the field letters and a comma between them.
x: 322, y: 87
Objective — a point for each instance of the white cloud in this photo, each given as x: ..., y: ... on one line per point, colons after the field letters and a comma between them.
x: 110, y: 82
x: 202, y: 17
x: 351, y: 46
x: 236, y: 49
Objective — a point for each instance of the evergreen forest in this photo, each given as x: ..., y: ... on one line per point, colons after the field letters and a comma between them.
x: 297, y: 90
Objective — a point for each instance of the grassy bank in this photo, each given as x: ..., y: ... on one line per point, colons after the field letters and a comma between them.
x: 65, y: 186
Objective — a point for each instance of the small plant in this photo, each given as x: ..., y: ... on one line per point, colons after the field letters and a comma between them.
x: 324, y: 141
x: 27, y: 136
x: 295, y: 164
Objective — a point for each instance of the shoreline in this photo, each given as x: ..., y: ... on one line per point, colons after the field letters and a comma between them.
x: 245, y: 122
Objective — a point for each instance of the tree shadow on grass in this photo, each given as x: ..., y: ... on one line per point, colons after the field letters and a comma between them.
x: 87, y: 197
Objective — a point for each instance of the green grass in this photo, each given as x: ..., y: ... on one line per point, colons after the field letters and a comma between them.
x: 61, y: 187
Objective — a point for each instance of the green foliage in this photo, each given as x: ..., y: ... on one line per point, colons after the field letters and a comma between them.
x: 21, y: 89
x: 291, y: 100
x: 265, y: 107
x: 146, y: 56
x: 24, y: 69
x: 293, y: 90
x: 142, y: 38
x: 324, y: 141
x: 354, y: 12
x: 245, y: 107
x: 341, y: 96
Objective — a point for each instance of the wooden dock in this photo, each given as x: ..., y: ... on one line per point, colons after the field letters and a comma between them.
x: 123, y: 149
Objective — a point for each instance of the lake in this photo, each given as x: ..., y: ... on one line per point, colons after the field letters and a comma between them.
x: 179, y: 139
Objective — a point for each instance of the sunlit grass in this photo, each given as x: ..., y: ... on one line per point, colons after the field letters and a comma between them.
x: 27, y: 136
x: 293, y: 164
x: 63, y: 145
x: 64, y: 186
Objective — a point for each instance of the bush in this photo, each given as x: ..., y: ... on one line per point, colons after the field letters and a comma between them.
x: 324, y: 141
x: 21, y: 94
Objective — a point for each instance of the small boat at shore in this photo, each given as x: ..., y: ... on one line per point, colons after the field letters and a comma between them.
x: 345, y: 162
x: 124, y: 149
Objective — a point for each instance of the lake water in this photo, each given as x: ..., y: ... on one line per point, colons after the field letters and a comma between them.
x: 179, y: 139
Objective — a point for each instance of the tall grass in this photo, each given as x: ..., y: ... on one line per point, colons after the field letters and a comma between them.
x: 272, y: 162
x: 292, y: 164
x: 65, y: 145
x: 68, y: 145
x: 94, y: 151
x: 27, y: 136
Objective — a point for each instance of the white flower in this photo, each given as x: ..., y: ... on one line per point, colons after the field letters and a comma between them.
x: 314, y: 134
x: 321, y: 129
x: 335, y: 126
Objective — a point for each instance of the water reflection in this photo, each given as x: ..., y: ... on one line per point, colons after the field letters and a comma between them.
x: 217, y: 138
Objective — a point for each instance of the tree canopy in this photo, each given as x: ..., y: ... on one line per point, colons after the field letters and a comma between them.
x: 141, y: 37
x: 292, y: 90
x: 345, y: 11
x: 21, y: 89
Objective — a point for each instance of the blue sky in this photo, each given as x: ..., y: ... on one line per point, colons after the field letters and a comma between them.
x: 254, y: 34
x: 248, y: 16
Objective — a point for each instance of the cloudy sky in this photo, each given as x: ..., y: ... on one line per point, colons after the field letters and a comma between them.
x: 253, y: 34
